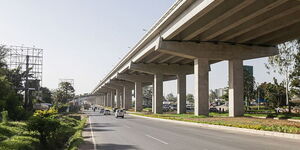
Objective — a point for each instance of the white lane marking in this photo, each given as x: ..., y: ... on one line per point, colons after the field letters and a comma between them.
x: 156, y: 139
x: 94, y: 142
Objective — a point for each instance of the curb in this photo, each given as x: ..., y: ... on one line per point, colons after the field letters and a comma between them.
x: 276, y: 118
x: 234, y: 129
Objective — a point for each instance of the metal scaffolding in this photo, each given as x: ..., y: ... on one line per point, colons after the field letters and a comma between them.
x: 17, y: 58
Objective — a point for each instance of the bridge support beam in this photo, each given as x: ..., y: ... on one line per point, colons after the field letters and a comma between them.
x: 164, y: 69
x: 181, y: 93
x: 214, y: 51
x: 108, y: 99
x: 204, y: 52
x: 119, y: 90
x: 138, y: 88
x: 158, y: 93
x: 112, y: 93
x: 118, y: 98
x: 138, y: 96
x: 236, y: 88
x: 127, y: 97
x: 104, y: 99
x: 100, y: 97
x: 201, y: 86
x: 127, y: 92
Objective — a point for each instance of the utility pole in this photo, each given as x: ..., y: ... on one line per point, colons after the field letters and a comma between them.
x: 26, y: 84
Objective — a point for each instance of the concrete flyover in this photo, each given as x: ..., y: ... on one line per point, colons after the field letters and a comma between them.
x: 188, y: 38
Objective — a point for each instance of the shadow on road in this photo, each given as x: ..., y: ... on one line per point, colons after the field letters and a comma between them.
x: 97, y: 130
x: 101, y: 125
x: 90, y: 146
x: 116, y: 147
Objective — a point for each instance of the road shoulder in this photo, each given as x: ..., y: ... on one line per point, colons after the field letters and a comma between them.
x: 87, y: 137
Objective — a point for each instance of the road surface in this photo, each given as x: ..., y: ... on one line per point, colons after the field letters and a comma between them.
x: 130, y: 133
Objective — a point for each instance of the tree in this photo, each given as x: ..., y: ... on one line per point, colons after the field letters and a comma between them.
x: 3, y: 52
x: 248, y: 86
x: 16, y: 77
x: 64, y: 92
x: 274, y: 93
x: 190, y: 98
x: 46, y: 95
x: 283, y: 64
x: 226, y: 95
x: 147, y: 95
x: 170, y: 97
x: 213, y: 95
x: 295, y: 75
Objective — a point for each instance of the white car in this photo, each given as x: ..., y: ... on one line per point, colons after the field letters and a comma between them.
x: 119, y: 113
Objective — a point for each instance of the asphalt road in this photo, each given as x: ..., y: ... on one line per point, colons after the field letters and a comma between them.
x: 109, y: 133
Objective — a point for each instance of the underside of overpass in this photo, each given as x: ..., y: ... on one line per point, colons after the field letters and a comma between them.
x: 192, y: 35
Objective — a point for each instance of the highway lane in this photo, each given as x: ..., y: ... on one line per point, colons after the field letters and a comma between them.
x: 132, y: 132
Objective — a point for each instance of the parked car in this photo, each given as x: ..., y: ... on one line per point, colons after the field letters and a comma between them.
x: 213, y: 109
x: 107, y: 112
x: 173, y: 107
x: 119, y: 113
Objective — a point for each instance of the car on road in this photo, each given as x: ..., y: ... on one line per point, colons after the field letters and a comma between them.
x: 107, y: 112
x: 102, y: 111
x: 119, y: 113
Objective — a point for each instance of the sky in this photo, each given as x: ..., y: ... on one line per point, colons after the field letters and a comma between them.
x: 84, y: 39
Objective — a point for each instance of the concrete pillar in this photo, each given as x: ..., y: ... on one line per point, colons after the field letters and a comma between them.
x: 201, y: 68
x: 104, y: 99
x: 181, y: 94
x: 138, y: 91
x: 118, y: 96
x: 236, y: 88
x: 108, y: 100
x: 153, y: 101
x: 112, y: 93
x: 121, y: 99
x: 158, y: 93
x: 127, y: 94
x: 100, y: 98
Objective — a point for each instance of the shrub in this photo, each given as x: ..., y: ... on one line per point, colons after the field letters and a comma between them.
x: 45, y: 126
x: 45, y: 123
x: 45, y: 113
x: 271, y: 115
x: 4, y: 117
x: 76, y: 139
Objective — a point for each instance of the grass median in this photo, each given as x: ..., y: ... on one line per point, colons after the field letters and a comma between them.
x: 240, y: 122
x: 16, y: 136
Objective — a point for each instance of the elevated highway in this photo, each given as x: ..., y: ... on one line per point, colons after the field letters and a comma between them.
x: 188, y: 38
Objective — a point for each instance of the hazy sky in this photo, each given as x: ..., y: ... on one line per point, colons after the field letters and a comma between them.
x: 84, y: 39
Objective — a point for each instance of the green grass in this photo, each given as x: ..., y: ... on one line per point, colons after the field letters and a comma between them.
x: 147, y: 109
x: 256, y: 115
x: 76, y: 139
x: 14, y: 136
x: 240, y: 122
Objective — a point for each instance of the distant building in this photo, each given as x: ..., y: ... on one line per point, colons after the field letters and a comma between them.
x: 220, y: 92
